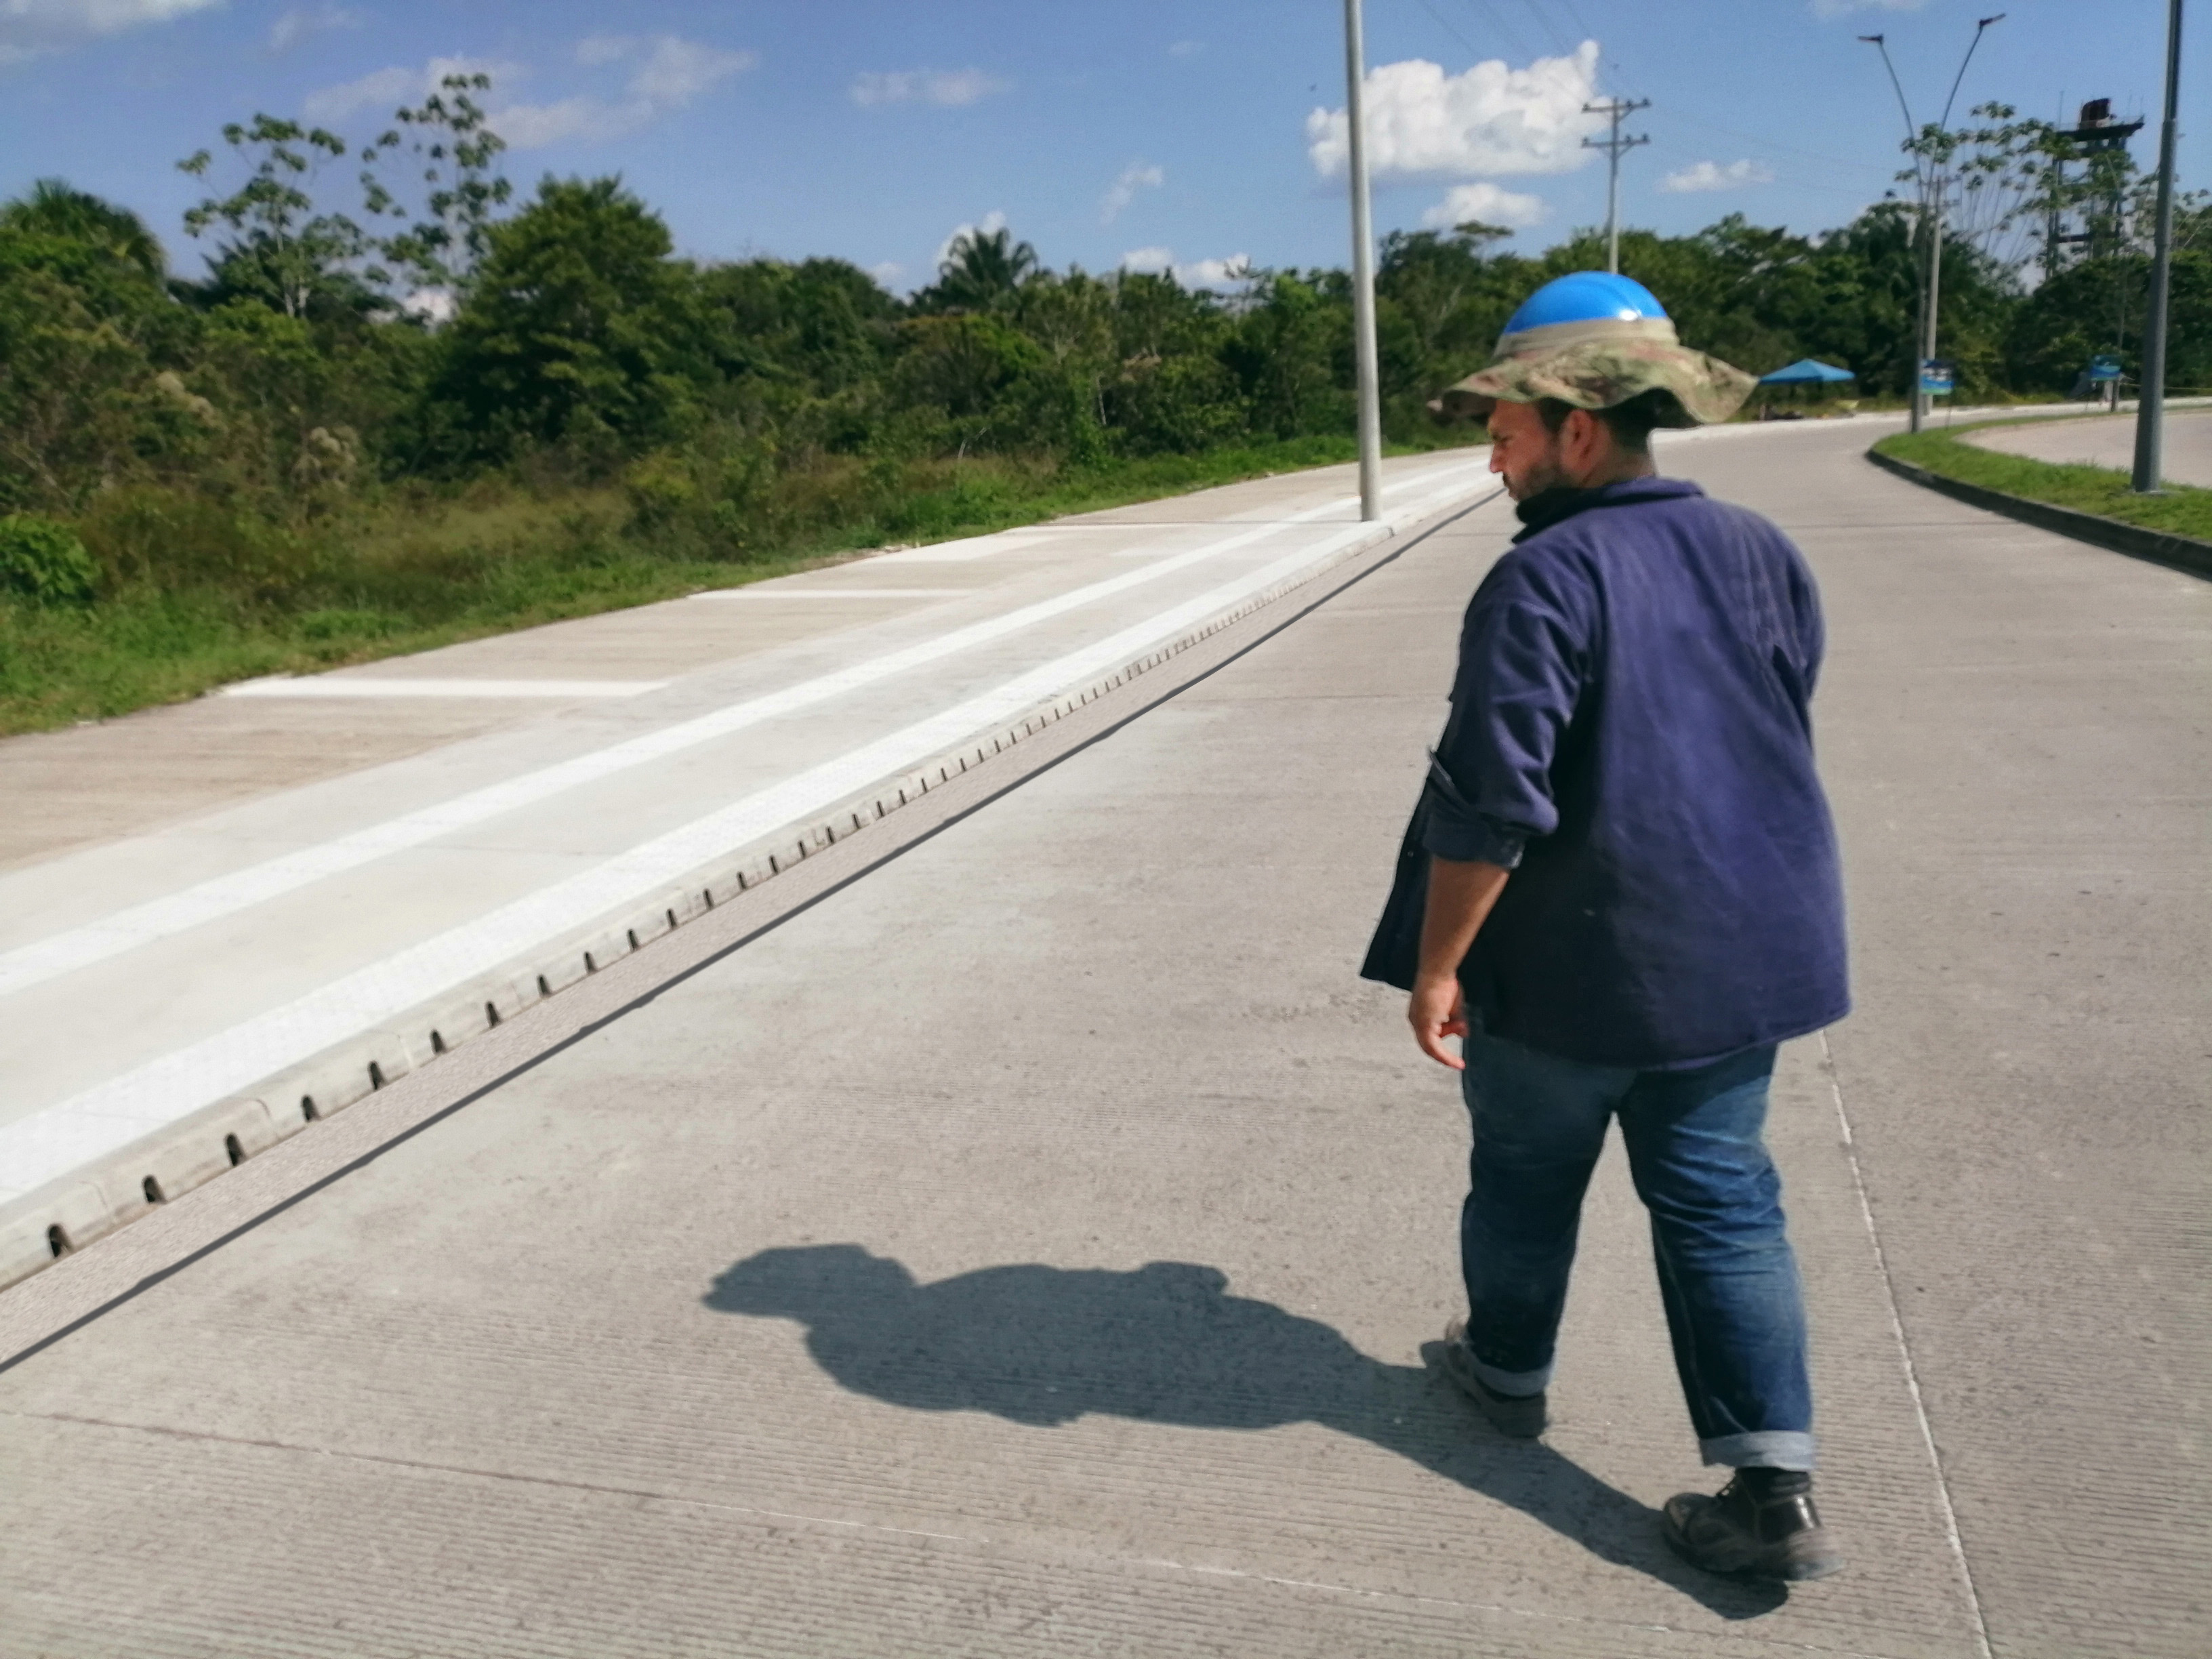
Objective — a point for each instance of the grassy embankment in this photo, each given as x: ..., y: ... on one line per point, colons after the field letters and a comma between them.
x: 2181, y: 510
x: 416, y: 569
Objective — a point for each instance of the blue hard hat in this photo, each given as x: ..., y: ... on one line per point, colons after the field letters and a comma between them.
x: 1587, y: 297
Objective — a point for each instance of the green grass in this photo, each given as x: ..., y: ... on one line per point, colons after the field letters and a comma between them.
x: 2181, y: 510
x: 412, y: 571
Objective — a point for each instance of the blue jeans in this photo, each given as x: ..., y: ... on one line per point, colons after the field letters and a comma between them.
x: 1734, y: 1309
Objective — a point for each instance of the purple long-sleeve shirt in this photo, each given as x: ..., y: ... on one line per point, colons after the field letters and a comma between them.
x: 1632, y: 735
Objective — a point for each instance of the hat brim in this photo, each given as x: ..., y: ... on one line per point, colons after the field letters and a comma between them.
x: 1599, y: 373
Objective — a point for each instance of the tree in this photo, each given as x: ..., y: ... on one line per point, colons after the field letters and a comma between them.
x: 1292, y: 339
x: 980, y: 268
x: 577, y: 317
x: 452, y: 143
x: 53, y: 207
x: 280, y: 249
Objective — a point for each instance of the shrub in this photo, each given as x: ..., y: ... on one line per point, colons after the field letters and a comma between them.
x: 168, y: 539
x: 660, y: 489
x: 44, y: 561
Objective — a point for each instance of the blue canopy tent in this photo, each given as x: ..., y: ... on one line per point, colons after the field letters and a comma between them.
x: 1805, y: 372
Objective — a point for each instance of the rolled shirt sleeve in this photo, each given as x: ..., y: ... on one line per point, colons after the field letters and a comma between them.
x: 1524, y: 659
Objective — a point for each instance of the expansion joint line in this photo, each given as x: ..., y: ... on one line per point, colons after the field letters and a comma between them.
x: 1905, y: 1359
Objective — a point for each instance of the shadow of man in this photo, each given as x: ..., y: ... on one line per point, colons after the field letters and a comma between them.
x: 1167, y: 1344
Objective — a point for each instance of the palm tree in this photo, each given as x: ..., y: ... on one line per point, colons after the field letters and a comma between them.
x: 52, y: 207
x: 981, y: 267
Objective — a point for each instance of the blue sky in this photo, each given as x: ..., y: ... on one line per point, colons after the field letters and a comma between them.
x: 1185, y: 133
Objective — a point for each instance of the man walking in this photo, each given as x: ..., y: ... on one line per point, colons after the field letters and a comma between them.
x: 1620, y: 891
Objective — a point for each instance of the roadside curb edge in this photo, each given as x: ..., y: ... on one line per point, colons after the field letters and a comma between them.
x: 2183, y: 553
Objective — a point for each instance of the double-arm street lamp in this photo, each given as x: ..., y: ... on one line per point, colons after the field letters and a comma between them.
x: 1934, y: 180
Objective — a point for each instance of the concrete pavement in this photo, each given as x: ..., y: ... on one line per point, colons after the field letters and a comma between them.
x: 1025, y: 1243
x: 2110, y: 441
x: 180, y: 997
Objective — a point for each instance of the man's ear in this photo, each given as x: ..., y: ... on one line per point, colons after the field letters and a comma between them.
x: 1578, y: 434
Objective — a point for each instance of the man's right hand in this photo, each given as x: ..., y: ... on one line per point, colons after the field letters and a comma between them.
x: 1436, y: 1011
x: 1460, y: 894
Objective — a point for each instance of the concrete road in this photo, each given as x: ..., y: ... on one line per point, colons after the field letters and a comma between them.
x: 2110, y: 441
x: 1025, y: 1243
x: 224, y: 914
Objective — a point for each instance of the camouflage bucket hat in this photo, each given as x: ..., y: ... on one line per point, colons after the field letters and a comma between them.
x: 1593, y: 340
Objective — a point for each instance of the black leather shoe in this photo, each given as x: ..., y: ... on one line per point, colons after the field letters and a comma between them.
x: 1521, y: 1415
x: 1745, y: 1533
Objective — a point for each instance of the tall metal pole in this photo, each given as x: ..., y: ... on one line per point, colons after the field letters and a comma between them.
x: 1922, y: 402
x: 1362, y: 273
x: 1933, y: 180
x: 2150, y: 406
x: 1615, y: 148
x: 1926, y: 329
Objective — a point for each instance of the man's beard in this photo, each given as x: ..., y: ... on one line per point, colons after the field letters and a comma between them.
x: 1539, y: 479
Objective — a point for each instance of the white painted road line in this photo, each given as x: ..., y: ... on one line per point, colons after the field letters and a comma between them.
x: 835, y: 593
x: 325, y: 685
x: 111, y: 1115
x: 222, y: 896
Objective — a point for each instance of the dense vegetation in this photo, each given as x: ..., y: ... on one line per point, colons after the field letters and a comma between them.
x: 465, y: 411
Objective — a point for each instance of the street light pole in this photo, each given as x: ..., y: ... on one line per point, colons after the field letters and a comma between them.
x: 1933, y: 182
x: 1362, y: 273
x: 2150, y: 405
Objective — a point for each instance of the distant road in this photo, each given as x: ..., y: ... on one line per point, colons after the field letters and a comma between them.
x: 2110, y: 441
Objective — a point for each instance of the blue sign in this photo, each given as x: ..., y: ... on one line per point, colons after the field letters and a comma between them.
x: 2104, y: 368
x: 1937, y: 378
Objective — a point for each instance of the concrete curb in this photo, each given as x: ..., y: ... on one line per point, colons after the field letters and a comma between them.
x: 68, y: 1213
x: 2183, y: 553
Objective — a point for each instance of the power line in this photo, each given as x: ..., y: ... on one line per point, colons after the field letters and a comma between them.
x: 1769, y: 143
x: 1583, y: 28
x: 1545, y: 23
x: 1497, y: 22
x: 1447, y: 26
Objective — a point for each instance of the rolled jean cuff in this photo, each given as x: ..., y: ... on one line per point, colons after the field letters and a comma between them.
x: 1768, y: 1449
x: 1521, y: 1383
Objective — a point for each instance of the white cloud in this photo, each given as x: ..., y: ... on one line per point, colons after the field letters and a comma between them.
x: 888, y: 272
x: 302, y: 22
x: 993, y: 223
x: 1424, y: 124
x: 29, y: 28
x: 1199, y: 273
x: 1214, y: 273
x: 594, y: 50
x: 585, y: 117
x: 666, y: 73
x: 380, y: 89
x: 1485, y: 202
x: 948, y: 89
x: 435, y: 306
x: 1844, y: 8
x: 671, y: 72
x: 1186, y: 48
x: 1710, y: 175
x: 1137, y: 175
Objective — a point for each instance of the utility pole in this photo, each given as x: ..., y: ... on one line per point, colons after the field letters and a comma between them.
x: 1362, y: 273
x: 2150, y: 403
x: 1614, y: 147
x: 1930, y: 169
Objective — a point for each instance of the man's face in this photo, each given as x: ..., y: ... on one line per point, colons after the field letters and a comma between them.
x: 1523, y: 451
